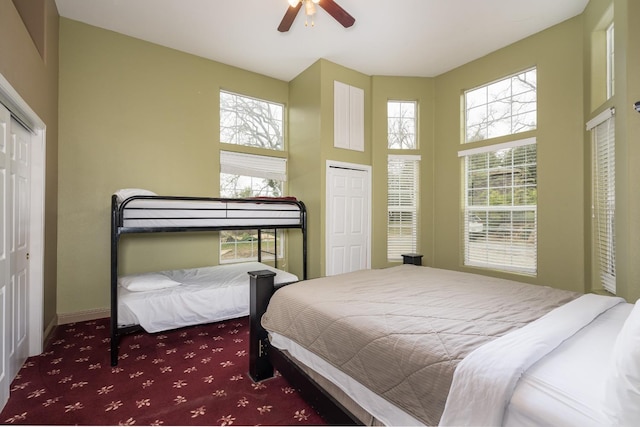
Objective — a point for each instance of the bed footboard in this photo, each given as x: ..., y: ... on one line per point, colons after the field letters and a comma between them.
x: 261, y: 288
x: 263, y: 357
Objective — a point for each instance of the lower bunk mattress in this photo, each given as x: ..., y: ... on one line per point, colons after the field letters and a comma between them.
x: 173, y: 299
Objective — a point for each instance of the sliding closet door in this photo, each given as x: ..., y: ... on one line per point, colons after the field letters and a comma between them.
x: 15, y: 146
x: 19, y: 185
x: 5, y: 328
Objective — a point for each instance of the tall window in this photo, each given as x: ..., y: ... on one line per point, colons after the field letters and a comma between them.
x: 248, y: 175
x: 504, y: 107
x: 251, y: 122
x: 401, y: 119
x: 610, y: 62
x: 500, y: 214
x: 500, y: 194
x: 402, y: 205
x: 603, y: 173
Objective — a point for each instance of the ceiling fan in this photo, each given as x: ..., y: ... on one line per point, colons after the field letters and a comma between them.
x: 332, y: 8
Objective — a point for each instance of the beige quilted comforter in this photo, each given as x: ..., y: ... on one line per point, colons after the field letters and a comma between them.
x: 401, y: 331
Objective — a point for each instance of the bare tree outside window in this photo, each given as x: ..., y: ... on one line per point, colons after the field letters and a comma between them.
x: 401, y: 119
x: 251, y: 122
x: 505, y: 107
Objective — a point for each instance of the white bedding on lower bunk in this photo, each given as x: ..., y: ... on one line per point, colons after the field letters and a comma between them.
x: 565, y: 387
x: 206, y: 294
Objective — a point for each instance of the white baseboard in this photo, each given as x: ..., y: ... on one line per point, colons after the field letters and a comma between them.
x: 83, y: 316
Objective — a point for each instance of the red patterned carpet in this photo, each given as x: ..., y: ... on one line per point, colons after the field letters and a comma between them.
x: 191, y: 376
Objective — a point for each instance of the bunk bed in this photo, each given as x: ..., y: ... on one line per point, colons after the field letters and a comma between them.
x: 137, y: 299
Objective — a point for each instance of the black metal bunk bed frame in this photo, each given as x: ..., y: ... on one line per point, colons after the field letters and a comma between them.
x: 118, y: 229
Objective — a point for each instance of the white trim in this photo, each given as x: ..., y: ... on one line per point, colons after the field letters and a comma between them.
x: 36, y: 240
x: 496, y: 147
x: 83, y: 316
x: 417, y: 157
x: 601, y: 118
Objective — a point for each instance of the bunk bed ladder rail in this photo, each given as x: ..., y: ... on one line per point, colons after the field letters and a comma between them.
x: 275, y: 246
x: 115, y: 236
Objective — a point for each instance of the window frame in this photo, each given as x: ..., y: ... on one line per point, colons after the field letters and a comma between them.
x: 251, y: 166
x: 602, y: 128
x: 610, y: 54
x: 482, y: 100
x: 243, y: 139
x: 398, y: 246
x: 408, y: 124
x: 502, y: 245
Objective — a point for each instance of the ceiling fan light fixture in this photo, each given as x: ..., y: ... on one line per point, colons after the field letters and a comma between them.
x: 309, y: 8
x: 330, y: 6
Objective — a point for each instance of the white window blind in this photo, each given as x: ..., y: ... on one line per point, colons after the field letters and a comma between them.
x: 249, y: 175
x: 500, y: 207
x: 253, y: 165
x: 603, y: 195
x: 402, y: 203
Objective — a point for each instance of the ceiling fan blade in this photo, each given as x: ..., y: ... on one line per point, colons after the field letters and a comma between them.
x: 338, y: 13
x: 288, y: 18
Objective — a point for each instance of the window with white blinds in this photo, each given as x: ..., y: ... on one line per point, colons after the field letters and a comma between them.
x: 500, y: 206
x: 402, y: 205
x: 603, y: 180
x: 250, y: 175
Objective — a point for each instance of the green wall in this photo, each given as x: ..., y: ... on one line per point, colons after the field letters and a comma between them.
x: 134, y: 114
x: 34, y: 76
x: 420, y: 90
x: 557, y: 55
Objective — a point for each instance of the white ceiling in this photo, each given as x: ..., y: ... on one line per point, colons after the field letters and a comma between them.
x: 421, y: 38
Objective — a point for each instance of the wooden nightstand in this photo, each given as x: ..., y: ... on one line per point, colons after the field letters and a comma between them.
x: 415, y: 259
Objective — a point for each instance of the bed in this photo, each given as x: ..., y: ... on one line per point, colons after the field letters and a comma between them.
x: 158, y: 301
x: 412, y: 345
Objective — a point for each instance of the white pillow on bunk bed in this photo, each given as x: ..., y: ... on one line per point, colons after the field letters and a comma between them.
x: 146, y: 282
x: 622, y: 386
x: 124, y: 193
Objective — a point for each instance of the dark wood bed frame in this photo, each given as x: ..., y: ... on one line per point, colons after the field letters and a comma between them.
x: 265, y: 359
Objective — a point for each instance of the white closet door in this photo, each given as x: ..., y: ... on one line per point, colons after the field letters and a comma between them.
x: 348, y: 219
x: 5, y: 328
x: 19, y: 157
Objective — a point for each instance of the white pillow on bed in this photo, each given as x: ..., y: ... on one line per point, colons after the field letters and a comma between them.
x: 146, y: 282
x: 124, y: 193
x: 622, y: 387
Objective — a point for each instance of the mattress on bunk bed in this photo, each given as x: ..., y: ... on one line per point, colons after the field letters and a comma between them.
x: 158, y: 211
x: 190, y: 296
